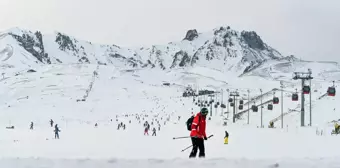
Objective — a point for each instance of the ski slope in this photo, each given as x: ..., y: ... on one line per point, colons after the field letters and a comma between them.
x: 113, y: 95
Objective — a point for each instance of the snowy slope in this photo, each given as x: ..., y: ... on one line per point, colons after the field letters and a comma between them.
x: 52, y: 93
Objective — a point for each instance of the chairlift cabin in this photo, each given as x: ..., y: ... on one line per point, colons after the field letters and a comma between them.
x: 230, y: 100
x: 241, y: 101
x: 306, y: 89
x: 270, y: 107
x: 295, y: 97
x: 240, y: 107
x: 223, y: 106
x: 275, y: 100
x: 331, y: 91
x: 254, y: 108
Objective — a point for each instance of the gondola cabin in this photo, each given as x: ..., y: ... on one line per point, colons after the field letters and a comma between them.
x: 295, y: 97
x: 223, y: 106
x: 270, y: 107
x: 240, y: 107
x: 306, y: 89
x: 275, y: 100
x: 230, y: 100
x: 241, y: 101
x: 331, y: 91
x: 254, y: 108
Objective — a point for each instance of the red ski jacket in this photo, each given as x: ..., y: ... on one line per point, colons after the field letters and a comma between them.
x: 198, y: 126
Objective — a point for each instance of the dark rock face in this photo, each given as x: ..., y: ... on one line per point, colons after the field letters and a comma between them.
x: 181, y: 57
x: 65, y: 42
x: 33, y: 46
x: 253, y: 40
x: 191, y: 35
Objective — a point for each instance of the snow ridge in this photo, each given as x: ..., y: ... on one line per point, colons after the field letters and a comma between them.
x: 222, y: 48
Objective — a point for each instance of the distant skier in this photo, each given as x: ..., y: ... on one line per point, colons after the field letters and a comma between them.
x: 226, y: 137
x: 56, y: 132
x: 96, y: 125
x: 154, y: 132
x: 51, y: 122
x: 336, y: 128
x: 31, y: 126
x: 146, y: 131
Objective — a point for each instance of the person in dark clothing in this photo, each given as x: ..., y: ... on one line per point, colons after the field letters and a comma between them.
x: 154, y: 132
x: 31, y: 126
x: 51, y: 122
x: 198, y: 134
x: 56, y: 132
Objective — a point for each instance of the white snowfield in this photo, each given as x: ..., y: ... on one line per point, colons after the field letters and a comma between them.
x: 54, y: 91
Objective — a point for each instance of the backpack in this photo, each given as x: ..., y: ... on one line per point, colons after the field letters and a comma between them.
x: 189, y: 122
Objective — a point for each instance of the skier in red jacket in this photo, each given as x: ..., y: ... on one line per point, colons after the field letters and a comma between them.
x: 198, y: 134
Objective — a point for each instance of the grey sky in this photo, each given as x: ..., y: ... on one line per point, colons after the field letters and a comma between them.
x: 309, y: 29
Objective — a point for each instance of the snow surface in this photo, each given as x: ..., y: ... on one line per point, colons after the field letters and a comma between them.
x: 52, y: 93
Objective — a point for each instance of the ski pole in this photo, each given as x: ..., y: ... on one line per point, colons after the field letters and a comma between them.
x: 192, y: 145
x: 181, y: 137
x: 186, y: 148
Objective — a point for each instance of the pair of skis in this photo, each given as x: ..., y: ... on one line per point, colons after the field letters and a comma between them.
x: 188, y: 137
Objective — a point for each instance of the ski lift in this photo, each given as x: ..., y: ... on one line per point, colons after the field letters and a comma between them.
x: 270, y: 107
x: 331, y: 90
x: 275, y: 100
x: 306, y: 89
x: 230, y: 100
x: 223, y: 106
x: 241, y: 101
x: 295, y: 97
x: 254, y: 108
x: 232, y: 104
x: 240, y: 107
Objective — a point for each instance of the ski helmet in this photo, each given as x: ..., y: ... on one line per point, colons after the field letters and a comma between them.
x: 204, y: 111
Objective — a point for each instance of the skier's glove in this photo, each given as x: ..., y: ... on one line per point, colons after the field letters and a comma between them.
x: 205, y: 138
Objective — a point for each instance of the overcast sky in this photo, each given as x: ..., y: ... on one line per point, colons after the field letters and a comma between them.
x: 309, y: 29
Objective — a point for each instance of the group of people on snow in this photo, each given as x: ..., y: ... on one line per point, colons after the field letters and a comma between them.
x: 56, y: 128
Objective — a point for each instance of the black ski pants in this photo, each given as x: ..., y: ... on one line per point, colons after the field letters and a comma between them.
x: 197, y: 143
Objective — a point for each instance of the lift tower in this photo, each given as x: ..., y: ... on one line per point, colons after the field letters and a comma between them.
x: 303, y: 76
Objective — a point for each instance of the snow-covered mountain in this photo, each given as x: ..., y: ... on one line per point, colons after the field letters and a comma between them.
x: 223, y: 49
x: 79, y: 85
